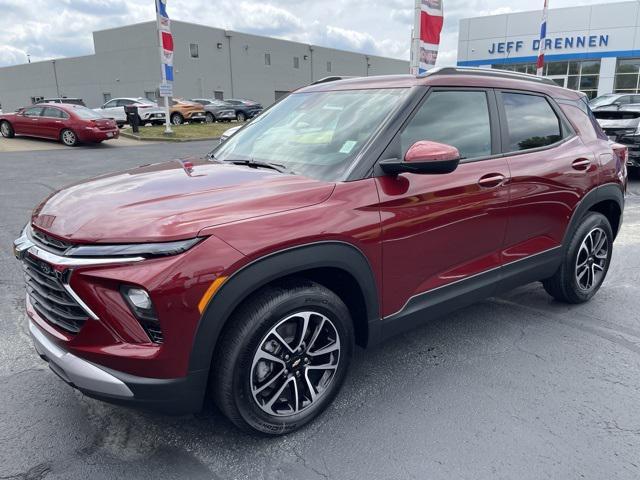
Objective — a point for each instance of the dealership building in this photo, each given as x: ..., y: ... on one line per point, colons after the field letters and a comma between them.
x: 594, y: 48
x: 208, y: 62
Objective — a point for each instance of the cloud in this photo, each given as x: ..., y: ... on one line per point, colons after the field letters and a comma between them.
x: 48, y: 29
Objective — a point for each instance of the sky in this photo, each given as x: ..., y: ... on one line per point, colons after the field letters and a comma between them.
x: 47, y: 29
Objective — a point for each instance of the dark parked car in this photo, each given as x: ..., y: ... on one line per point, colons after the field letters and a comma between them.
x: 70, y: 101
x: 350, y: 212
x: 217, y: 110
x: 70, y: 124
x: 622, y: 125
x: 617, y: 100
x: 245, y: 109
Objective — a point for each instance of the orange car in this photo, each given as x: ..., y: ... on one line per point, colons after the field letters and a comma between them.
x: 186, y: 111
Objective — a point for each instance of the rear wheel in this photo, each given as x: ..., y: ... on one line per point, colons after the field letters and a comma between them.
x: 210, y: 118
x: 6, y: 129
x: 586, y: 261
x: 283, y: 357
x: 68, y: 137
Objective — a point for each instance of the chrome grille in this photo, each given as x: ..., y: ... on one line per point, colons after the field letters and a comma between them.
x: 49, y: 243
x: 49, y: 297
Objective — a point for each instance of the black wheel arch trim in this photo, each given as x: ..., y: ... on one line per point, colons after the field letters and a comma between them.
x: 271, y: 267
x: 608, y: 191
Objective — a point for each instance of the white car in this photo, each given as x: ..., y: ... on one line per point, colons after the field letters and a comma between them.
x: 148, y: 111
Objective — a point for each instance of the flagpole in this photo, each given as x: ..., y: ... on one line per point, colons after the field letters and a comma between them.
x: 161, y: 16
x: 543, y: 37
x: 415, y: 39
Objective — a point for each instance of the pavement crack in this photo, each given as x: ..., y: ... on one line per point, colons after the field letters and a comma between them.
x: 310, y: 467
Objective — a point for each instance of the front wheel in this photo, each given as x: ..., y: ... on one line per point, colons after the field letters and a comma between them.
x: 177, y: 119
x: 68, y: 137
x: 210, y: 118
x: 586, y: 261
x: 6, y: 129
x: 283, y: 357
x: 241, y: 117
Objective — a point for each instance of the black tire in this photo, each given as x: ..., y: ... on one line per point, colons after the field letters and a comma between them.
x: 241, y: 117
x: 6, y: 129
x: 565, y: 285
x: 69, y: 137
x: 209, y: 118
x: 249, y: 328
x: 177, y: 119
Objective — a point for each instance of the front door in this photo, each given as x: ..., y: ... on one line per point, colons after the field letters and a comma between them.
x: 28, y: 122
x: 442, y: 229
x: 51, y: 122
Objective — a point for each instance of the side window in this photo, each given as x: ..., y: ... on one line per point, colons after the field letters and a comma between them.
x: 111, y: 104
x: 458, y: 118
x: 33, y: 112
x: 635, y: 99
x: 624, y: 100
x: 124, y: 103
x: 531, y: 122
x: 52, y: 112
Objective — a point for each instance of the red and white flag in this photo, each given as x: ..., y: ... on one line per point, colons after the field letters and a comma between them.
x: 426, y: 35
x: 166, y: 41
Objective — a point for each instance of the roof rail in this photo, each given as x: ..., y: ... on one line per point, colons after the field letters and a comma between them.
x: 333, y: 78
x: 490, y: 72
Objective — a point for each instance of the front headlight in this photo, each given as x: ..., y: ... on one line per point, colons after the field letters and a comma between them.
x: 161, y: 249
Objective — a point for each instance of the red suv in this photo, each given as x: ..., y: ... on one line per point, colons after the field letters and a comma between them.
x: 346, y: 213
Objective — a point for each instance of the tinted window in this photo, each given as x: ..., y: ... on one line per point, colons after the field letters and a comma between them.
x: 110, y: 104
x: 33, y: 112
x: 456, y: 118
x: 53, y: 113
x: 124, y: 103
x: 625, y: 99
x: 531, y: 122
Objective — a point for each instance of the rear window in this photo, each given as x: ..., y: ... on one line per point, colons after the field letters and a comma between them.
x: 86, y: 114
x: 531, y: 122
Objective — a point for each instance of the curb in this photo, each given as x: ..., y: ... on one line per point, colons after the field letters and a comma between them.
x: 168, y: 139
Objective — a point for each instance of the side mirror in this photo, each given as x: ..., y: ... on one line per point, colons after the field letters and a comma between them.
x: 424, y: 157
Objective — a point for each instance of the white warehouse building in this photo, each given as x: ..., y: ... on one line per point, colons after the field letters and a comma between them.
x: 594, y: 48
x: 208, y: 62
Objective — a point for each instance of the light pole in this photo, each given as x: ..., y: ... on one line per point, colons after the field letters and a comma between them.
x: 55, y: 75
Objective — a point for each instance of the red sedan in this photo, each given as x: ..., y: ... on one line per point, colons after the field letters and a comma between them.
x: 70, y: 124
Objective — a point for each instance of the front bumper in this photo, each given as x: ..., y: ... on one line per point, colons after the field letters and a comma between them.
x: 175, y: 396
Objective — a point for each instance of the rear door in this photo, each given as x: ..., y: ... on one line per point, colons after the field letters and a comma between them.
x: 551, y: 170
x: 52, y: 121
x: 442, y: 229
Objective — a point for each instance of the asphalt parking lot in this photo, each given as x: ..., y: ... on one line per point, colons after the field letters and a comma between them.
x: 515, y: 387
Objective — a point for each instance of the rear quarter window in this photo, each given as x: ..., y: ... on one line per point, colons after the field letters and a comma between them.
x: 531, y: 122
x: 582, y: 119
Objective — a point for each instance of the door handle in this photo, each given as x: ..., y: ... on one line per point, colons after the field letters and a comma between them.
x: 491, y: 180
x: 581, y: 164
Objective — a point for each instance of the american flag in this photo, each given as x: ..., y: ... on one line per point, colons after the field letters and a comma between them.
x: 543, y: 37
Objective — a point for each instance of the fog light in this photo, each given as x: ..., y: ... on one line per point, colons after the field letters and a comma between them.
x: 140, y: 303
x: 140, y: 298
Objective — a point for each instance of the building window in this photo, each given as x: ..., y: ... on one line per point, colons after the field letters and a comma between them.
x: 218, y: 95
x: 150, y: 95
x: 328, y: 66
x: 627, y: 76
x: 37, y: 98
x: 582, y: 76
x: 296, y: 62
x: 267, y: 59
x: 193, y: 50
x: 106, y: 97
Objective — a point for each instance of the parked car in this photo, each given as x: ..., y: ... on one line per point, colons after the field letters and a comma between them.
x: 69, y: 100
x: 622, y: 125
x: 148, y: 111
x: 350, y: 212
x: 68, y: 123
x: 615, y: 100
x: 227, y: 133
x: 186, y: 111
x: 245, y: 109
x: 217, y: 110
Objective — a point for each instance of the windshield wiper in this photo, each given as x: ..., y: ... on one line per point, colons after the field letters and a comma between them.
x: 259, y: 164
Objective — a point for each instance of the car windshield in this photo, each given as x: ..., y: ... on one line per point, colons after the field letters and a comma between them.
x: 602, y: 100
x: 316, y: 134
x: 86, y: 113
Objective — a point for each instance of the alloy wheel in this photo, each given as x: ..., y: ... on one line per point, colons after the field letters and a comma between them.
x: 4, y: 129
x: 209, y: 118
x: 177, y: 120
x: 295, y: 363
x: 592, y: 258
x: 68, y: 137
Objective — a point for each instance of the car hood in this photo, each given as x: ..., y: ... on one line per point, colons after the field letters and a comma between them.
x: 171, y: 201
x: 623, y: 118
